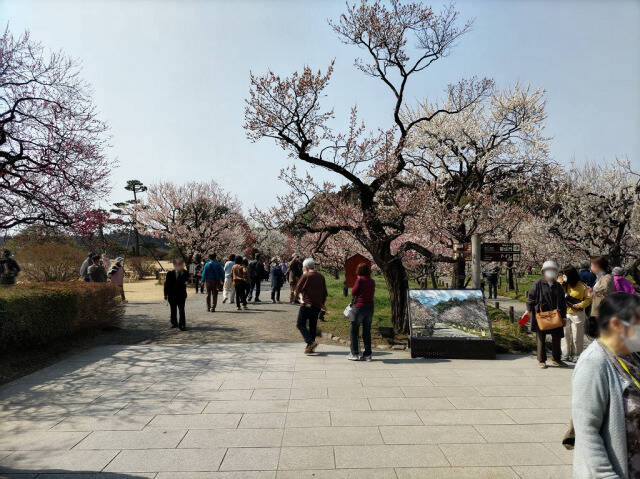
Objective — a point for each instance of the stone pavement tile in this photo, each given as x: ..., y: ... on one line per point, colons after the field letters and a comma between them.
x: 194, y: 421
x: 331, y: 436
x: 464, y: 416
x: 297, y: 458
x: 522, y: 432
x: 214, y: 395
x: 540, y: 416
x: 388, y: 456
x: 287, y: 375
x: 499, y: 402
x: 270, y: 393
x: 147, y: 439
x: 309, y: 393
x: 206, y: 438
x: 439, y: 391
x: 429, y: 434
x: 256, y: 384
x: 329, y: 405
x: 512, y: 390
x: 218, y: 475
x: 374, y: 418
x: 250, y: 459
x: 504, y: 454
x: 362, y: 392
x: 396, y: 404
x: 327, y: 383
x: 263, y: 420
x: 27, y: 425
x: 338, y: 474
x: 5, y: 453
x: 103, y: 423
x: 457, y: 473
x: 172, y: 407
x: 253, y: 406
x: 308, y: 419
x: 62, y: 461
x: 559, y: 450
x: 544, y: 472
x: 39, y: 440
x: 166, y: 460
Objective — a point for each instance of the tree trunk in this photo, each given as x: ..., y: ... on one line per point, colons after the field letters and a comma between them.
x: 395, y: 276
x: 434, y: 280
x: 510, y: 284
x: 457, y: 280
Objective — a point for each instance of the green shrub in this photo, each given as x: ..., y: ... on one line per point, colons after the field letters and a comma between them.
x: 34, y: 314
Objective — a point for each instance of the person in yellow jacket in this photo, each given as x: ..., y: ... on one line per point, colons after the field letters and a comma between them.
x: 577, y: 301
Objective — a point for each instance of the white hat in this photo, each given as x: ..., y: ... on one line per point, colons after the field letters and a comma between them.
x: 550, y: 265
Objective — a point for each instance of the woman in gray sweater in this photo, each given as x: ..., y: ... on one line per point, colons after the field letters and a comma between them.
x: 606, y: 395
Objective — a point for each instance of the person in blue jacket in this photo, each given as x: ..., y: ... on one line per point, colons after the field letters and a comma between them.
x: 212, y: 277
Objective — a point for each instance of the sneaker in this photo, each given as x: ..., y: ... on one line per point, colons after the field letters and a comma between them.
x: 249, y: 298
x: 239, y: 308
x: 558, y: 364
x: 273, y: 301
x: 174, y: 326
x: 245, y: 307
x: 366, y: 358
x: 213, y: 310
x: 183, y: 328
x: 257, y: 301
x: 308, y: 349
x: 314, y: 345
x: 353, y: 357
x: 542, y: 365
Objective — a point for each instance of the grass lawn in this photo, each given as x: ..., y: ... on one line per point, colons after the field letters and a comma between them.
x: 507, y: 335
x: 524, y: 284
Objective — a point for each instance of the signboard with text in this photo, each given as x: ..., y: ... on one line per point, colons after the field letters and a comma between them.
x: 500, y: 252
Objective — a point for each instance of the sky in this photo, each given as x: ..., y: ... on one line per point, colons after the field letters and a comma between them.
x: 171, y: 77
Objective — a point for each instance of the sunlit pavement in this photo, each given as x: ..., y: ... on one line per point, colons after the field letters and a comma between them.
x: 268, y: 411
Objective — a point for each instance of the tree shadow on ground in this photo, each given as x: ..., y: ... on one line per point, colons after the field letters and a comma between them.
x: 9, y: 473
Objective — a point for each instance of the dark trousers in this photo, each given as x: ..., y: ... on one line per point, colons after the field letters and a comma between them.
x: 275, y: 294
x: 556, y: 352
x: 176, y: 305
x: 255, y: 286
x: 308, y: 314
x: 241, y: 293
x: 364, y: 317
x: 212, y: 294
x: 493, y: 289
x: 199, y: 285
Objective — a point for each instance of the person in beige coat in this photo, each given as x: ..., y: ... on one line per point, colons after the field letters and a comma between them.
x: 604, y: 283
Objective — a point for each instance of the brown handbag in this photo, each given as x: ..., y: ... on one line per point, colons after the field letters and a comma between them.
x: 549, y: 320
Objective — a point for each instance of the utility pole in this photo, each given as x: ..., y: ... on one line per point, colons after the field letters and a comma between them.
x: 476, y: 262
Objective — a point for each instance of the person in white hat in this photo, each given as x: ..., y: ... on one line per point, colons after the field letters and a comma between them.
x: 546, y: 294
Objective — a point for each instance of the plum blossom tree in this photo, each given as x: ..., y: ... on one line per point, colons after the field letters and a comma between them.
x: 596, y: 211
x: 52, y: 145
x: 374, y: 197
x: 195, y: 218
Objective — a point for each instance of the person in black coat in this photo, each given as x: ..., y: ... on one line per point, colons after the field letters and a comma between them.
x: 175, y: 292
x: 546, y: 294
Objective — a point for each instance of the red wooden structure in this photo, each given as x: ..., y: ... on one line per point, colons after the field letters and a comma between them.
x: 350, y: 267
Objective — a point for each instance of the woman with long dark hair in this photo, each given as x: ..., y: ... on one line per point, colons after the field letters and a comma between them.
x: 577, y: 298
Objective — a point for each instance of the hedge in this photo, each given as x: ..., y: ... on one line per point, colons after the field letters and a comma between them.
x: 33, y: 314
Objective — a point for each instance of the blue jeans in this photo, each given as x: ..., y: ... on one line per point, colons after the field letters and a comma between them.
x: 310, y: 315
x: 364, y: 316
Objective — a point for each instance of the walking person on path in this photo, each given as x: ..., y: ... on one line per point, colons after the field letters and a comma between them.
x: 175, y: 292
x: 9, y: 268
x: 240, y: 279
x: 493, y: 274
x: 212, y: 276
x: 313, y: 289
x: 362, y: 292
x: 116, y: 276
x: 295, y: 272
x: 546, y: 294
x: 256, y: 274
x: 606, y: 395
x: 276, y: 278
x: 621, y: 283
x: 84, y: 269
x: 96, y: 271
x: 577, y: 301
x: 197, y: 278
x: 228, y: 290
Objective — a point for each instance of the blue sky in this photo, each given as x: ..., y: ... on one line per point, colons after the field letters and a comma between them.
x: 431, y: 297
x: 171, y: 77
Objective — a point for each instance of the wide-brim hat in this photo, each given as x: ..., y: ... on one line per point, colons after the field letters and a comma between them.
x: 550, y: 265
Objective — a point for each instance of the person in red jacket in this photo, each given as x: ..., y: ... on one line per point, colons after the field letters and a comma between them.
x: 363, y: 292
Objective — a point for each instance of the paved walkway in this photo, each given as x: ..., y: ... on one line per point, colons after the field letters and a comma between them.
x: 231, y: 411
